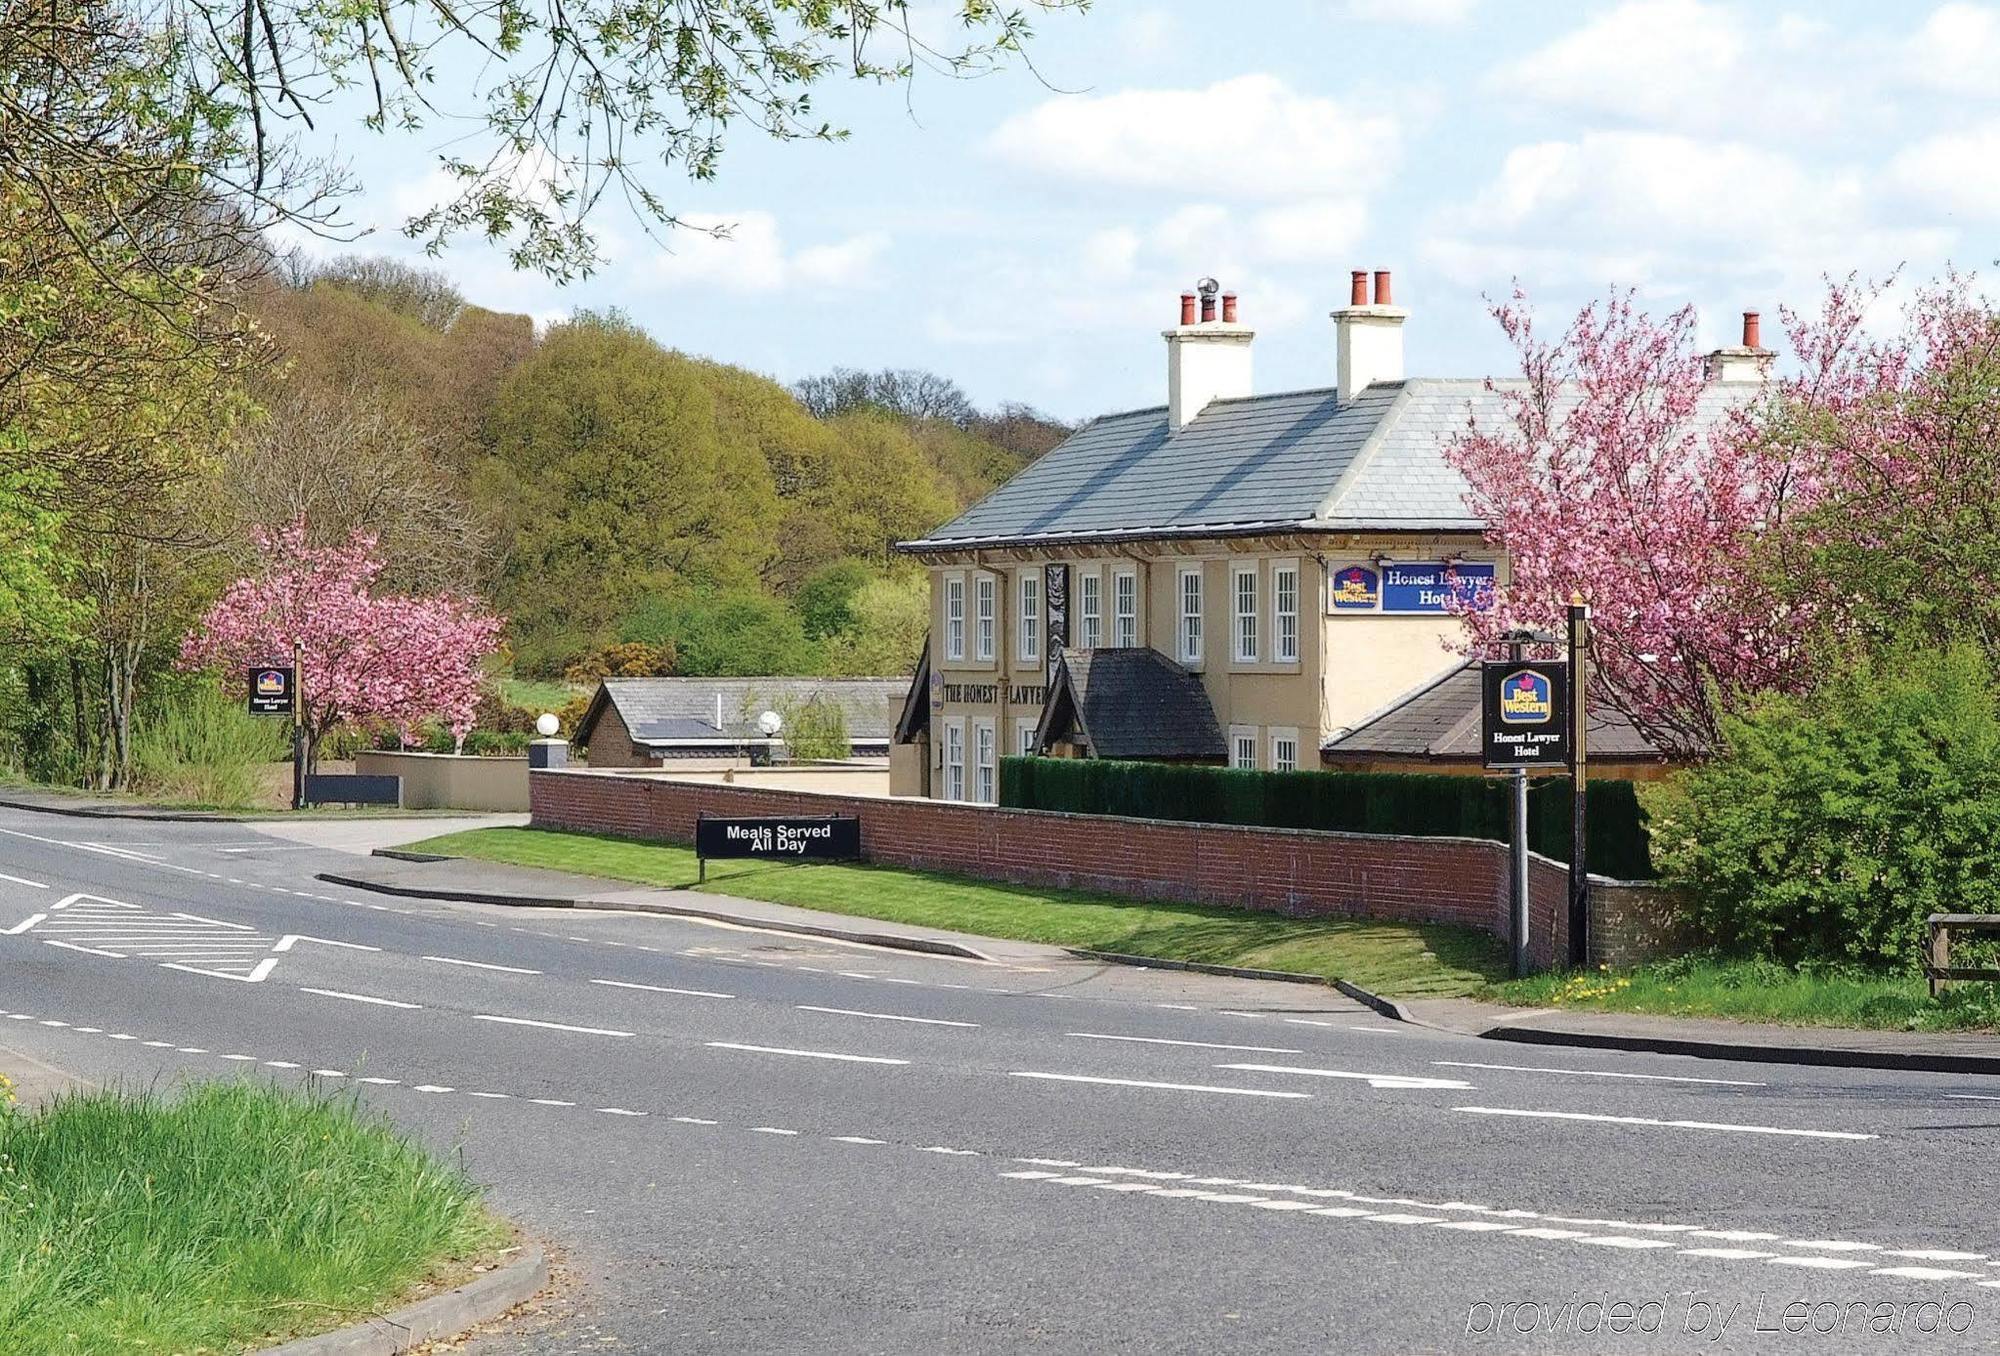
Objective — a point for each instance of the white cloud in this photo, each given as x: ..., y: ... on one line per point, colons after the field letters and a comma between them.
x: 1250, y: 136
x: 1955, y: 170
x: 1149, y: 34
x: 1670, y: 213
x: 745, y: 252
x: 1957, y: 50
x: 1688, y: 65
x: 1431, y: 13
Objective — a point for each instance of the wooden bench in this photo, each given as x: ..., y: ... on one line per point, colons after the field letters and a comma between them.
x: 1937, y: 955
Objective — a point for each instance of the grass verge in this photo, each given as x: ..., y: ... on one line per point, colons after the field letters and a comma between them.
x: 1395, y: 958
x: 227, y: 1216
x: 1763, y: 991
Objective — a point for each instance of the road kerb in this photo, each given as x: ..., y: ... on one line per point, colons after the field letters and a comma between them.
x: 479, y: 1300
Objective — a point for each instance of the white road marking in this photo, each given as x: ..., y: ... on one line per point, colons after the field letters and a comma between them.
x: 431, y: 1087
x: 550, y: 1101
x: 363, y: 998
x: 87, y: 950
x: 882, y: 1016
x: 1618, y: 1241
x: 1937, y: 1255
x: 1670, y: 1125
x: 279, y: 1064
x: 1927, y: 1273
x: 804, y: 1054
x: 621, y: 1111
x: 286, y: 942
x: 493, y: 1096
x: 1597, y: 1073
x: 693, y: 1120
x: 23, y: 880
x: 256, y: 976
x: 1973, y: 1096
x: 328, y: 1073
x: 1818, y: 1263
x: 1193, y: 1045
x: 483, y: 965
x: 1374, y: 1080
x: 1728, y: 1254
x: 661, y: 988
x: 1832, y: 1245
x: 195, y: 917
x: 856, y: 1139
x: 770, y: 1130
x: 383, y: 1082
x: 1144, y: 1083
x: 549, y: 1026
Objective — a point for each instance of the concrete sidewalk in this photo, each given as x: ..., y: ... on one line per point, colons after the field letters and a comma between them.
x: 85, y: 806
x: 477, y: 882
x: 1711, y: 1038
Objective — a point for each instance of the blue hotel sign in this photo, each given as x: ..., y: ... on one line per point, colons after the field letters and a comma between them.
x: 1431, y: 587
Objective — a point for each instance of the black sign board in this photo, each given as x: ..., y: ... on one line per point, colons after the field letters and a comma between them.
x: 1055, y: 589
x: 271, y: 689
x: 818, y: 838
x: 1526, y: 713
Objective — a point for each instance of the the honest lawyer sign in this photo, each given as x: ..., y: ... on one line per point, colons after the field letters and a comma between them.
x: 1526, y: 713
x: 1435, y: 588
x: 819, y: 838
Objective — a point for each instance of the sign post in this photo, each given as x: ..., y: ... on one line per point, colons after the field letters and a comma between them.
x: 1524, y: 724
x: 1579, y: 771
x: 298, y: 726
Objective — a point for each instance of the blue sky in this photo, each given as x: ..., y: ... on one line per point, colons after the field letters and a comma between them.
x: 1030, y: 239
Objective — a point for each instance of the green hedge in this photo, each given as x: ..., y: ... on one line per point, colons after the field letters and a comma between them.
x: 1357, y: 802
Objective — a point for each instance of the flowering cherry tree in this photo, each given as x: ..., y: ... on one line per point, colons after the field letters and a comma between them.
x: 1616, y: 475
x: 372, y: 661
x: 1726, y: 536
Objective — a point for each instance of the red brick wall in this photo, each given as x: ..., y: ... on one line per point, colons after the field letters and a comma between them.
x: 1290, y: 871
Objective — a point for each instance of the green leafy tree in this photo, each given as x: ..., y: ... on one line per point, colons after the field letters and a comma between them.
x: 723, y: 633
x: 890, y: 617
x: 1834, y: 823
x: 825, y: 602
x: 608, y: 477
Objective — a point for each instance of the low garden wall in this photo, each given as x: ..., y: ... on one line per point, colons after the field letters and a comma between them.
x: 1290, y: 871
x: 445, y: 781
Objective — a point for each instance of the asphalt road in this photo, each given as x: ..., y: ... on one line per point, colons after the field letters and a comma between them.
x: 739, y: 1141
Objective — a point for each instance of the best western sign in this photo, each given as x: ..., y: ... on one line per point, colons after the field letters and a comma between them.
x: 1526, y: 713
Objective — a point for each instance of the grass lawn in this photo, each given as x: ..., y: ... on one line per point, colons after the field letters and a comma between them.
x: 227, y: 1216
x: 541, y: 694
x: 1761, y: 991
x: 1396, y: 958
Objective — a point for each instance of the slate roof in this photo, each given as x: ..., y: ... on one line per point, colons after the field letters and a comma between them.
x: 682, y: 710
x: 1439, y: 722
x: 1136, y: 703
x: 1300, y: 460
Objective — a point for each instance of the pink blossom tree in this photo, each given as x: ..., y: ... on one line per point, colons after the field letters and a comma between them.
x: 1617, y: 474
x: 370, y: 661
x: 1729, y: 538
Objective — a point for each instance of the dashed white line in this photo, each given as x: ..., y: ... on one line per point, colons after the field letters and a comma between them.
x: 1598, y: 1073
x: 483, y: 965
x: 1192, y: 1045
x: 1396, y: 1082
x: 661, y: 988
x: 856, y: 1139
x: 549, y: 1026
x: 364, y: 998
x: 1670, y: 1125
x: 770, y: 1130
x: 804, y: 1054
x: 550, y: 1101
x: 882, y: 1016
x: 23, y: 880
x: 1145, y: 1083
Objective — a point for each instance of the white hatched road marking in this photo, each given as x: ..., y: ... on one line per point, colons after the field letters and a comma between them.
x: 1669, y: 1125
x: 363, y: 998
x: 191, y: 942
x: 483, y: 965
x: 661, y: 988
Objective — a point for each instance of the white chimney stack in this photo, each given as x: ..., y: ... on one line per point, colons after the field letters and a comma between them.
x: 1208, y: 358
x: 1749, y: 361
x: 1369, y: 336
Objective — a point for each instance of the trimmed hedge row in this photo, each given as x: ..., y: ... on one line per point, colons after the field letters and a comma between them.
x: 1356, y: 802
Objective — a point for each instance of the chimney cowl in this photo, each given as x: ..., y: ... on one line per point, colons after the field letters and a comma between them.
x: 1187, y: 308
x: 1357, y: 290
x: 1753, y: 330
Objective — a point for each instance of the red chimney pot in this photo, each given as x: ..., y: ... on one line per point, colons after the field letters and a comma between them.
x: 1229, y: 308
x: 1382, y: 287
x: 1187, y: 308
x: 1357, y: 292
x: 1753, y: 333
x: 1207, y: 307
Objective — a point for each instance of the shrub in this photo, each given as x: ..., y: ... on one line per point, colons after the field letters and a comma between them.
x: 202, y: 747
x: 1832, y: 825
x: 1422, y: 804
x: 625, y: 659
